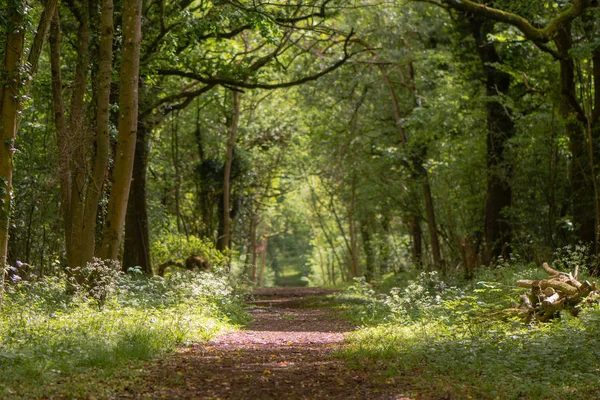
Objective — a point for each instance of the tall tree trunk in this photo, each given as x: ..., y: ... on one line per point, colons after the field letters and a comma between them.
x: 226, y: 241
x: 78, y: 137
x: 500, y: 129
x: 181, y: 226
x: 136, y: 250
x: 64, y: 155
x: 11, y: 84
x: 582, y: 191
x: 128, y: 110
x: 100, y: 161
x: 10, y: 87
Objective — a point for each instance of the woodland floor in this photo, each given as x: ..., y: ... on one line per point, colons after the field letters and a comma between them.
x: 285, y: 353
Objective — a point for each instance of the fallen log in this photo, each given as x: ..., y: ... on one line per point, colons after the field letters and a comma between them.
x: 548, y: 297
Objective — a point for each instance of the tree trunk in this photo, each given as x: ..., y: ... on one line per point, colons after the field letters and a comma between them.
x: 582, y: 191
x: 226, y: 241
x: 433, y: 233
x: 417, y: 240
x: 100, y: 161
x: 77, y: 138
x: 128, y: 110
x: 10, y: 88
x: 367, y: 239
x: 136, y: 250
x: 64, y: 155
x: 500, y: 129
x: 354, y: 256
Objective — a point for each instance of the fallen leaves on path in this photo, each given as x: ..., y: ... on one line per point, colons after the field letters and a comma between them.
x: 286, y: 353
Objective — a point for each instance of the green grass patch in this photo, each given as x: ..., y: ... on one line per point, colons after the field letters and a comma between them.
x: 447, y: 339
x: 53, y: 344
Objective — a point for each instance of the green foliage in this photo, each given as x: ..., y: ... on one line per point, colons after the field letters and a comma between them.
x: 178, y: 247
x: 455, y: 341
x: 48, y: 337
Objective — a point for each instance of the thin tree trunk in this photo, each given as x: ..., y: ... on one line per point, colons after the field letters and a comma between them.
x: 433, y: 233
x: 263, y: 262
x: 64, y: 155
x: 9, y: 110
x: 175, y: 158
x: 253, y: 247
x: 419, y: 171
x: 417, y: 240
x: 352, y: 231
x: 78, y: 138
x: 226, y: 241
x: 367, y: 239
x: 128, y: 113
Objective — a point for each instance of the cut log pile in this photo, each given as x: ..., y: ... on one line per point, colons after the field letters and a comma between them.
x: 547, y: 297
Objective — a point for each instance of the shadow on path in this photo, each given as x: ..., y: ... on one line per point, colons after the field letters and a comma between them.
x: 285, y: 353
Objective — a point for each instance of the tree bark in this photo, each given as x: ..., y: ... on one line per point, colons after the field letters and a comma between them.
x: 417, y: 240
x: 100, y: 161
x: 10, y: 87
x: 500, y: 129
x: 354, y: 256
x: 128, y: 110
x: 366, y: 233
x: 136, y: 250
x: 582, y: 190
x: 64, y: 155
x: 433, y: 233
x: 77, y: 138
x: 226, y: 240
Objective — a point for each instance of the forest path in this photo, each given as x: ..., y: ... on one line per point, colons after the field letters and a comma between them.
x: 285, y: 353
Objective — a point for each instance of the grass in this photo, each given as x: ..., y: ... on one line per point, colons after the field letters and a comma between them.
x: 446, y: 340
x: 53, y: 344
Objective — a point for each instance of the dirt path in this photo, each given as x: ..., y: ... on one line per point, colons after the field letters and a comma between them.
x: 284, y: 354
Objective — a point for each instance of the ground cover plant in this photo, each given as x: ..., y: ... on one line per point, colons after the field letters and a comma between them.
x: 56, y: 342
x: 454, y: 340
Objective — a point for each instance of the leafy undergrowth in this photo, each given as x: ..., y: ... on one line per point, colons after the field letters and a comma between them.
x: 59, y: 345
x: 453, y: 341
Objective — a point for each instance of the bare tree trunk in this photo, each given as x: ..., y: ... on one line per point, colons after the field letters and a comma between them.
x: 366, y: 226
x: 497, y: 228
x: 254, y: 221
x: 582, y: 192
x: 263, y: 261
x: 433, y: 233
x: 94, y: 188
x: 78, y: 137
x: 226, y: 242
x: 10, y: 87
x: 128, y: 110
x: 64, y: 155
x: 417, y: 240
x: 137, y: 241
x: 181, y: 227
